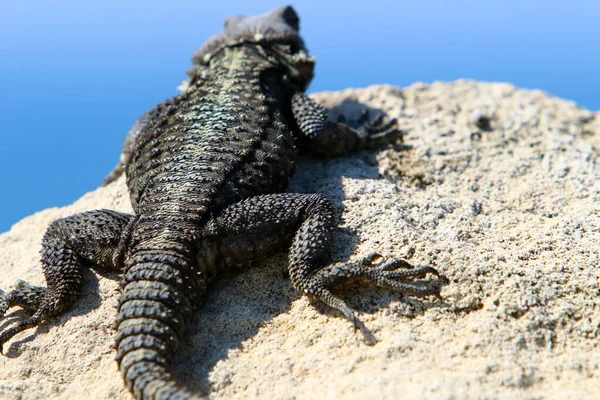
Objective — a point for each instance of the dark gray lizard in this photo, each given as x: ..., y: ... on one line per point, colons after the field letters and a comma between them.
x: 206, y: 173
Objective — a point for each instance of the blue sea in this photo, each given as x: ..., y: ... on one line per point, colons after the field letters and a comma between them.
x: 75, y: 75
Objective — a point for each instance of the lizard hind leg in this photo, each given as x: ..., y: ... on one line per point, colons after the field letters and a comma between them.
x: 68, y: 245
x: 257, y: 227
x: 313, y: 275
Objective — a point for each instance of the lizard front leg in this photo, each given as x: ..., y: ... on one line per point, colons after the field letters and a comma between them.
x: 328, y: 138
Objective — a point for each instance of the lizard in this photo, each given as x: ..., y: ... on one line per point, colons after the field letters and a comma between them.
x: 206, y: 173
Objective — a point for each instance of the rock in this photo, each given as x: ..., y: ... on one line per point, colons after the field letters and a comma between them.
x: 496, y: 187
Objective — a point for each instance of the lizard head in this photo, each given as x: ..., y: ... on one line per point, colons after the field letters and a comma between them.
x: 277, y: 35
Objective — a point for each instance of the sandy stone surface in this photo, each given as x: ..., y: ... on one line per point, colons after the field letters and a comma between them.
x: 496, y: 187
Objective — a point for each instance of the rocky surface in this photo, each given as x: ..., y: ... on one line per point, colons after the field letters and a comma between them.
x: 496, y: 187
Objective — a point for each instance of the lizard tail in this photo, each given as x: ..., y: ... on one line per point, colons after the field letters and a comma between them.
x: 160, y: 287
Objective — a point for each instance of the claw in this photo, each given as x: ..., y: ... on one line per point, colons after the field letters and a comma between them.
x: 3, y: 303
x: 19, y: 327
x: 364, y: 116
x: 427, y: 270
x: 398, y: 273
x: 371, y: 258
x: 379, y: 120
x: 377, y: 130
x: 377, y: 123
x: 3, y: 309
x: 395, y: 263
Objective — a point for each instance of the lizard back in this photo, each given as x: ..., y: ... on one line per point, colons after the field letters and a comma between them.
x: 226, y: 138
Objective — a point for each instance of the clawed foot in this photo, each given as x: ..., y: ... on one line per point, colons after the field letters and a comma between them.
x: 28, y: 297
x: 395, y: 273
x: 376, y: 130
x: 385, y: 273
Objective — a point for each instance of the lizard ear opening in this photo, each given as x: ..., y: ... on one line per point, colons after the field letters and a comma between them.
x: 288, y: 15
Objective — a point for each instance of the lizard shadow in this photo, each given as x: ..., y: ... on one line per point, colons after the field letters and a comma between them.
x: 236, y: 307
x: 233, y: 310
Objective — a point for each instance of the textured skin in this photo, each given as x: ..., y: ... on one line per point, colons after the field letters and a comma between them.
x: 206, y: 173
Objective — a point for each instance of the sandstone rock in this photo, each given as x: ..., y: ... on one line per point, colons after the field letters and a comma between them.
x: 495, y: 186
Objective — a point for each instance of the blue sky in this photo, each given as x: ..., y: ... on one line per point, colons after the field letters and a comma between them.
x: 75, y: 75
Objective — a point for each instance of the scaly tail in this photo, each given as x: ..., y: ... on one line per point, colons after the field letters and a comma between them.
x: 160, y: 287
